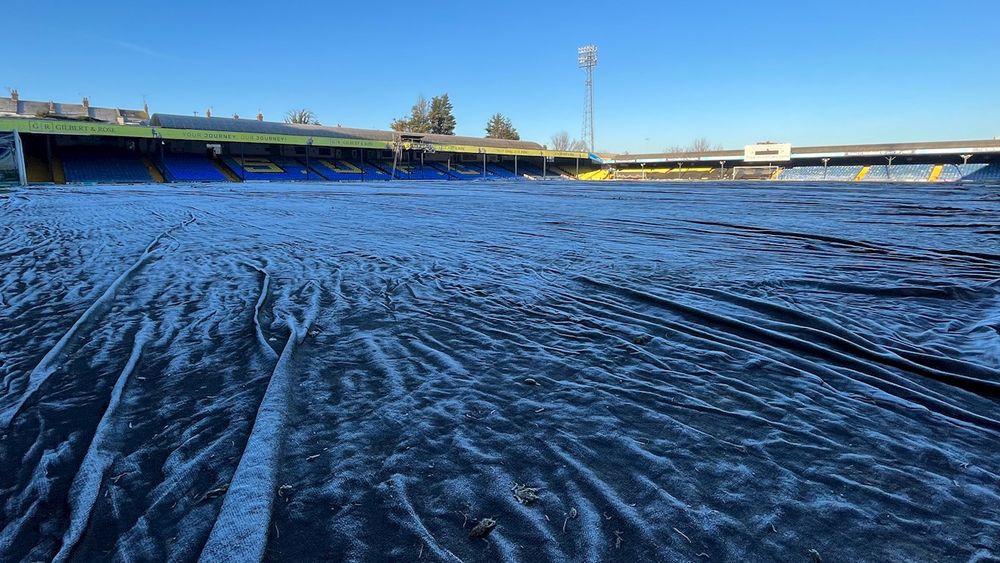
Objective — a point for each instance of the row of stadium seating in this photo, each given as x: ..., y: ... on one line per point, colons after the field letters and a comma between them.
x: 811, y: 173
x: 347, y: 170
x: 283, y: 168
x: 88, y: 166
x: 532, y: 170
x: 910, y: 172
x: 896, y: 173
x: 841, y: 172
x: 270, y: 168
x: 93, y: 167
x: 662, y: 173
x: 899, y: 173
x: 191, y: 168
x: 971, y: 172
x: 462, y: 171
x: 599, y: 174
x: 409, y: 171
x: 501, y: 172
x: 803, y: 173
x: 85, y: 166
x: 469, y: 171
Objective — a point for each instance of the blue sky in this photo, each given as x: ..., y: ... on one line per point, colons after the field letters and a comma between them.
x: 669, y: 71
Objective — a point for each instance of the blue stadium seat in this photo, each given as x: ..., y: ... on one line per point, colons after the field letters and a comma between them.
x: 474, y: 171
x: 463, y: 170
x: 90, y: 167
x: 899, y: 173
x: 802, y: 173
x: 347, y: 170
x: 877, y: 173
x: 191, y: 168
x: 269, y: 168
x: 526, y: 168
x: 500, y: 171
x: 980, y: 172
x: 950, y: 173
x: 818, y: 173
x: 910, y: 172
x: 842, y: 173
x: 410, y: 171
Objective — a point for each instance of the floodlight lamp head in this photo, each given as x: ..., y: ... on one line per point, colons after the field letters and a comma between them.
x: 587, y: 56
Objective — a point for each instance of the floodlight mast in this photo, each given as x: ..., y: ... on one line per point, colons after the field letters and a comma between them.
x: 587, y: 60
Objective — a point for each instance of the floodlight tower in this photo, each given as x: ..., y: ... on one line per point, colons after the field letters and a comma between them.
x: 587, y: 60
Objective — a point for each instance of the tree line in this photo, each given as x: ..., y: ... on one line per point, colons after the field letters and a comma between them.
x: 437, y: 117
x: 700, y: 144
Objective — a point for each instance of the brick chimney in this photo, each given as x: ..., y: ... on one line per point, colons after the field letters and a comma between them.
x: 86, y: 102
x: 145, y: 108
x: 260, y: 116
x: 14, y: 96
x: 208, y: 112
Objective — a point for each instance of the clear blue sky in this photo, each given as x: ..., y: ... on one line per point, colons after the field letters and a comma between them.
x: 803, y: 72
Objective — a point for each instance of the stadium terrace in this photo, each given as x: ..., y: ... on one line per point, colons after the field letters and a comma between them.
x: 49, y: 142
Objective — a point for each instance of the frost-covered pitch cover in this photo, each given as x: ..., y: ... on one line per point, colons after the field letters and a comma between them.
x: 523, y: 372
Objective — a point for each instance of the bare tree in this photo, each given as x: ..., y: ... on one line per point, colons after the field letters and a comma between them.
x: 562, y: 142
x: 301, y: 117
x: 701, y: 144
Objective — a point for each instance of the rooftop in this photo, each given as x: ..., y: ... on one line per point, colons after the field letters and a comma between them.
x: 14, y: 106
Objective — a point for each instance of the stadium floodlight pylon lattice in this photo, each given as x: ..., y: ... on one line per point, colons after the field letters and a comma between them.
x: 587, y: 60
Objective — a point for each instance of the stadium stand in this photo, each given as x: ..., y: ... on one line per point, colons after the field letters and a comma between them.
x: 650, y: 174
x: 662, y: 173
x: 347, y: 170
x: 528, y: 169
x: 269, y: 168
x: 58, y: 174
x: 802, y: 173
x: 899, y: 173
x: 190, y: 168
x: 811, y: 173
x: 877, y: 173
x: 951, y: 173
x: 95, y: 167
x: 37, y: 169
x: 409, y: 171
x: 936, y: 172
x: 969, y: 172
x: 842, y: 173
x: 474, y: 171
x: 564, y: 171
x: 910, y: 172
x: 500, y: 172
x: 596, y: 175
x: 872, y: 173
x: 460, y: 171
x: 699, y: 173
x: 980, y: 172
